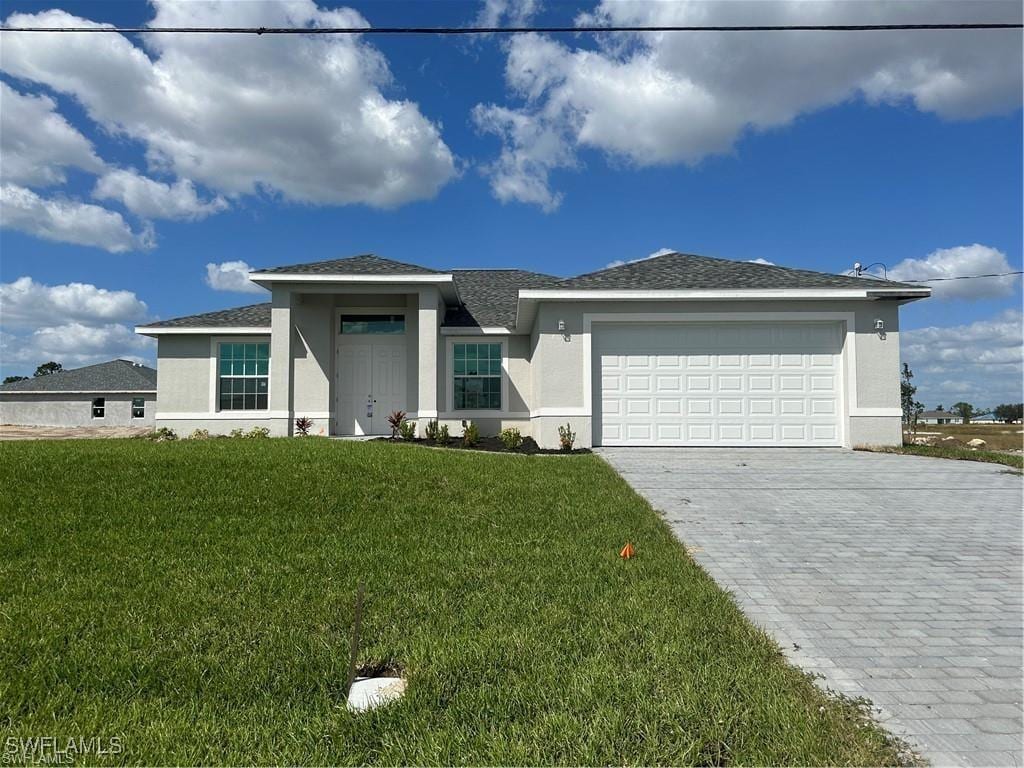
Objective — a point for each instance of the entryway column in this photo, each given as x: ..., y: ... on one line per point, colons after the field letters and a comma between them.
x: 281, y: 360
x: 427, y: 355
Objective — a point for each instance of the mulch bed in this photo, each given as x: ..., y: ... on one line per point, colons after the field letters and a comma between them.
x: 490, y: 444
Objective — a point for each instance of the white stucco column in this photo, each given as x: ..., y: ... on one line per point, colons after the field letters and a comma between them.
x: 281, y: 360
x: 426, y: 341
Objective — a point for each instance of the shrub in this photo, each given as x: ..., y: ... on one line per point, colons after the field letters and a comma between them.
x: 432, y: 431
x: 395, y: 422
x: 512, y: 439
x: 407, y: 429
x: 566, y: 437
x: 303, y: 424
x: 236, y: 433
x: 443, y: 438
x: 161, y: 435
x: 470, y: 435
x: 199, y: 434
x: 257, y: 433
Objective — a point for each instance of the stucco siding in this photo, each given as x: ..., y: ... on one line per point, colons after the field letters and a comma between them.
x: 183, y: 378
x: 73, y: 410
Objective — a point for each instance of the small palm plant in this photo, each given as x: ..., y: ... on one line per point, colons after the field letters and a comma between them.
x: 395, y: 422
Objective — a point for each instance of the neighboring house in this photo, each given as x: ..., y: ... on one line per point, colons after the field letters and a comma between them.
x: 119, y: 393
x: 939, y: 417
x: 672, y: 350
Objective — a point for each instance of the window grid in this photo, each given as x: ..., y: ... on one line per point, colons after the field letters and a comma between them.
x: 244, y: 378
x: 138, y: 407
x: 477, y: 376
x: 99, y: 407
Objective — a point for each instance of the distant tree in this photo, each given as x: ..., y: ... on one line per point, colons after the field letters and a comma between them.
x: 964, y: 411
x: 911, y: 407
x: 939, y: 407
x: 1009, y: 412
x: 47, y: 368
x: 12, y: 379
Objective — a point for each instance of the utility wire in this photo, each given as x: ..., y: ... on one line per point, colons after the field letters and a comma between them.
x: 519, y: 30
x: 968, y: 277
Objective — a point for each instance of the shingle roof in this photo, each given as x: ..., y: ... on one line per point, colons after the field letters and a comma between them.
x: 113, y: 376
x: 684, y: 271
x: 250, y: 316
x: 367, y: 264
x: 490, y: 296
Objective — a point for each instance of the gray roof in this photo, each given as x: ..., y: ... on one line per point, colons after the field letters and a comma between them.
x: 249, y: 316
x: 684, y: 271
x: 113, y: 376
x: 939, y: 415
x: 490, y: 296
x: 367, y: 264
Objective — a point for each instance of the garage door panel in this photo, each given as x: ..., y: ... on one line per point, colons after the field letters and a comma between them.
x: 725, y: 384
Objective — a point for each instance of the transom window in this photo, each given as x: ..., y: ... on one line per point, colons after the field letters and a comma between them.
x: 99, y: 407
x: 138, y: 407
x: 244, y: 379
x: 477, y: 372
x: 385, y: 324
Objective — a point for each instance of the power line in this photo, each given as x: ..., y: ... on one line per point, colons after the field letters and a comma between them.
x: 968, y: 277
x: 520, y: 30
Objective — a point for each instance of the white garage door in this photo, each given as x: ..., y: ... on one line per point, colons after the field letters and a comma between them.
x: 726, y: 384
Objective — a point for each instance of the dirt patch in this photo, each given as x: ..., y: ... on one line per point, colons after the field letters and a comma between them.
x: 997, y: 437
x: 490, y: 445
x: 17, y: 432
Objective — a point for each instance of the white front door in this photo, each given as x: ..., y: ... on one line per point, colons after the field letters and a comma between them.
x: 725, y: 384
x: 370, y: 383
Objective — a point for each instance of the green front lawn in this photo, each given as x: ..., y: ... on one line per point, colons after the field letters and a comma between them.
x: 195, y: 599
x: 952, y: 452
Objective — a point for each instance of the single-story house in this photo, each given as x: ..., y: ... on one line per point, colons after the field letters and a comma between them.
x: 118, y: 393
x: 939, y: 417
x: 672, y: 350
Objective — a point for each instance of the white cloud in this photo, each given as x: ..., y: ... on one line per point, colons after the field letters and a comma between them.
x: 231, y: 276
x: 75, y: 324
x: 761, y: 261
x: 656, y: 254
x: 954, y: 262
x: 26, y: 302
x: 37, y: 143
x: 979, y: 362
x: 73, y: 345
x: 663, y: 98
x: 69, y: 221
x: 300, y: 117
x: 153, y: 199
x: 512, y: 13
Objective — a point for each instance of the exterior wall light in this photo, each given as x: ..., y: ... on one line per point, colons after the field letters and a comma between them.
x: 561, y: 325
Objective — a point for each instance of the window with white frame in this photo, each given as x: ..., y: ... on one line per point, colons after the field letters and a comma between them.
x: 99, y: 407
x: 138, y: 407
x: 476, y: 369
x: 243, y: 381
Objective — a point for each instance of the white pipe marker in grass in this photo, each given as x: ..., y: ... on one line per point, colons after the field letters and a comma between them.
x: 371, y: 692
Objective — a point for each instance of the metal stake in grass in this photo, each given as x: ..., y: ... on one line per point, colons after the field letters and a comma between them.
x: 354, y: 650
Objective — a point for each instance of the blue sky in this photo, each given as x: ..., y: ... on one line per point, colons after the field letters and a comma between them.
x: 554, y: 154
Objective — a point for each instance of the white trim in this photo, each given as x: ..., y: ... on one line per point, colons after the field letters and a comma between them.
x: 422, y: 415
x: 848, y: 353
x: 449, y: 373
x: 228, y: 330
x: 537, y: 294
x: 292, y: 277
x: 484, y: 414
x: 224, y: 415
x: 485, y: 330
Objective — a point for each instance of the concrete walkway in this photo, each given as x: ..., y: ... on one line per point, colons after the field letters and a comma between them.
x: 10, y: 432
x: 897, y: 578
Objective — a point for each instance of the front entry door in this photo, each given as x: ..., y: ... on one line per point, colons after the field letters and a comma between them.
x: 371, y: 384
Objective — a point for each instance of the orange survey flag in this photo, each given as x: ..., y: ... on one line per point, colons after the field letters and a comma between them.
x: 627, y: 551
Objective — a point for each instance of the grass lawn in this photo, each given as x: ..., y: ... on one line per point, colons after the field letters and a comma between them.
x: 195, y: 599
x: 940, y: 451
x: 997, y: 437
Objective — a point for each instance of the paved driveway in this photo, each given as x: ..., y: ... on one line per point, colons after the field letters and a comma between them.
x: 897, y: 578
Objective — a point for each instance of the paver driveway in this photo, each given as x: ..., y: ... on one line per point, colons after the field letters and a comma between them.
x: 897, y: 578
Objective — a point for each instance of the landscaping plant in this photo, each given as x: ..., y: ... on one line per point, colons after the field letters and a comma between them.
x: 566, y: 437
x: 407, y: 430
x: 199, y: 434
x: 470, y: 435
x: 511, y: 438
x: 302, y: 425
x: 431, y: 431
x: 395, y: 422
x: 443, y: 438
